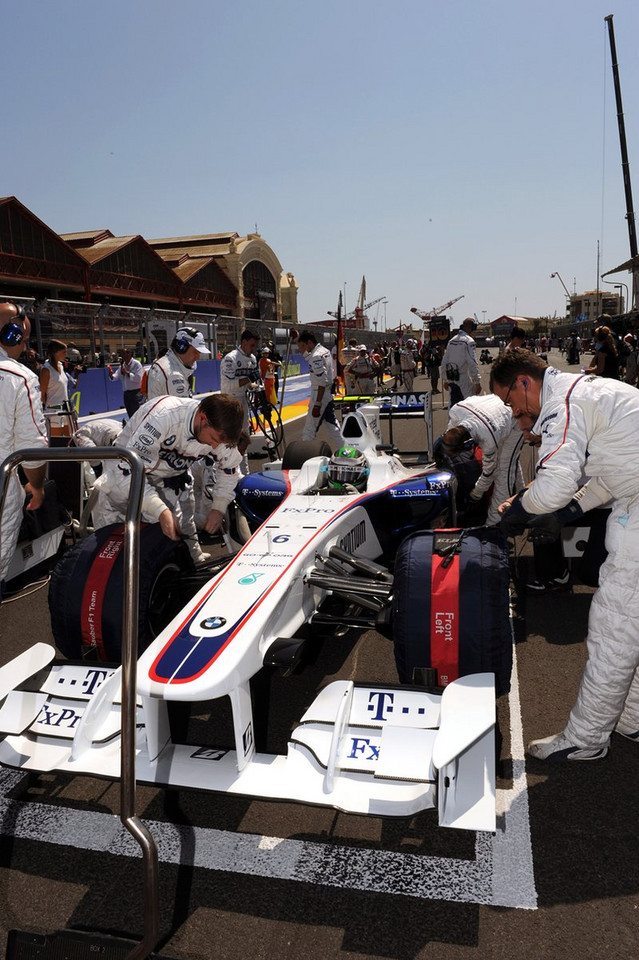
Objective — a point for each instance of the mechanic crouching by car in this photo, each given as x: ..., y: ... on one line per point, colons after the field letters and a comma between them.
x: 588, y: 425
x: 169, y: 434
x: 215, y: 478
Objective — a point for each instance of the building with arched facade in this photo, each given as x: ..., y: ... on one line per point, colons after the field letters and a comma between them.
x: 264, y: 291
x: 221, y: 273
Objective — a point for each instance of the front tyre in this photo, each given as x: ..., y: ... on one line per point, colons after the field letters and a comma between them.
x: 86, y: 593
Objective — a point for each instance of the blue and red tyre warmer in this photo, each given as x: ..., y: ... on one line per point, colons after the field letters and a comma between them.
x: 86, y: 593
x: 450, y: 610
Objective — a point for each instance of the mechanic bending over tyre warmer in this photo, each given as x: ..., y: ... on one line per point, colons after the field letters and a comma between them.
x: 169, y: 434
x: 586, y: 423
x: 488, y: 422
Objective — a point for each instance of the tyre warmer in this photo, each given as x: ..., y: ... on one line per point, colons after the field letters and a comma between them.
x: 451, y: 605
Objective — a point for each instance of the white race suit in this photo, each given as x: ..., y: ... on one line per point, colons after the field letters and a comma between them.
x: 494, y: 429
x: 459, y: 366
x: 22, y: 426
x: 161, y: 432
x: 589, y: 425
x: 320, y: 368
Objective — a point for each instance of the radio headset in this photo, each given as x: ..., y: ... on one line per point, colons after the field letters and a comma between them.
x: 12, y: 333
x: 180, y: 344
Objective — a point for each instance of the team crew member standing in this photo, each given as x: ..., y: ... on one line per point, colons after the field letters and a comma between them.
x: 172, y: 373
x: 238, y: 371
x: 347, y: 355
x: 459, y: 364
x: 588, y: 425
x: 408, y: 364
x: 130, y: 372
x: 22, y: 426
x: 361, y: 371
x: 169, y: 434
x: 489, y: 423
x: 321, y: 409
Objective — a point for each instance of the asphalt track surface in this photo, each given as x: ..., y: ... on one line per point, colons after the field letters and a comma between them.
x: 250, y: 879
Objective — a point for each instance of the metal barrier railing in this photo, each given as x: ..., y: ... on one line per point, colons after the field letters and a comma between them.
x: 129, y: 662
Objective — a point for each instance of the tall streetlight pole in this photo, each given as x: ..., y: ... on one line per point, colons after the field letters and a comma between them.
x: 618, y: 285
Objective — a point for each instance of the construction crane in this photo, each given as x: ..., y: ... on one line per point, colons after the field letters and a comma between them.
x: 360, y: 311
x: 436, y: 311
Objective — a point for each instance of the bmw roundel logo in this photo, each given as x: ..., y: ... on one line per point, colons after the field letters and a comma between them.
x: 213, y: 623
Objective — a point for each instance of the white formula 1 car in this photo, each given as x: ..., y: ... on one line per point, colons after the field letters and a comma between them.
x: 386, y: 750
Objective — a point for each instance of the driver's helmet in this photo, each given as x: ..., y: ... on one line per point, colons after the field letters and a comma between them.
x: 348, y: 465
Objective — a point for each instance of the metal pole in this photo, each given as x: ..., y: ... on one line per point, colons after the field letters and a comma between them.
x: 625, y: 164
x: 129, y: 662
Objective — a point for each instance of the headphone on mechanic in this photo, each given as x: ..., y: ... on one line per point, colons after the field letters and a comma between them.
x: 12, y: 333
x: 180, y: 344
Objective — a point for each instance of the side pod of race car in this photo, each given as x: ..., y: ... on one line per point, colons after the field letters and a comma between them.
x: 385, y: 750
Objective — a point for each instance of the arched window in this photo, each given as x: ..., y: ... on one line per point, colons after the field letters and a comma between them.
x: 260, y: 292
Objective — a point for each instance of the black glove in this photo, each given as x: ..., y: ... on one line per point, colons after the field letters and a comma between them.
x: 515, y: 520
x: 546, y: 527
x: 543, y: 527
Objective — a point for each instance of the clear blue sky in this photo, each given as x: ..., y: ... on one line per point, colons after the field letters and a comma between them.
x: 440, y: 148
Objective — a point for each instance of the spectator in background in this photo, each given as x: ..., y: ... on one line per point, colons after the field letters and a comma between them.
x: 73, y: 354
x: 433, y: 363
x: 631, y: 359
x: 130, y: 372
x: 347, y: 355
x: 517, y: 338
x: 573, y: 348
x: 54, y: 388
x: 606, y: 359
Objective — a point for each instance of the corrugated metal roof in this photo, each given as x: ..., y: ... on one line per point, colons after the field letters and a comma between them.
x: 190, y: 266
x: 177, y: 253
x: 105, y: 247
x: 197, y: 240
x: 86, y: 235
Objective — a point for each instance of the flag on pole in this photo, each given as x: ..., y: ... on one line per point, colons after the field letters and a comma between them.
x: 340, y: 344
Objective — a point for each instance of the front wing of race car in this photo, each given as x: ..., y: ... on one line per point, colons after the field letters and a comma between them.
x: 376, y: 750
